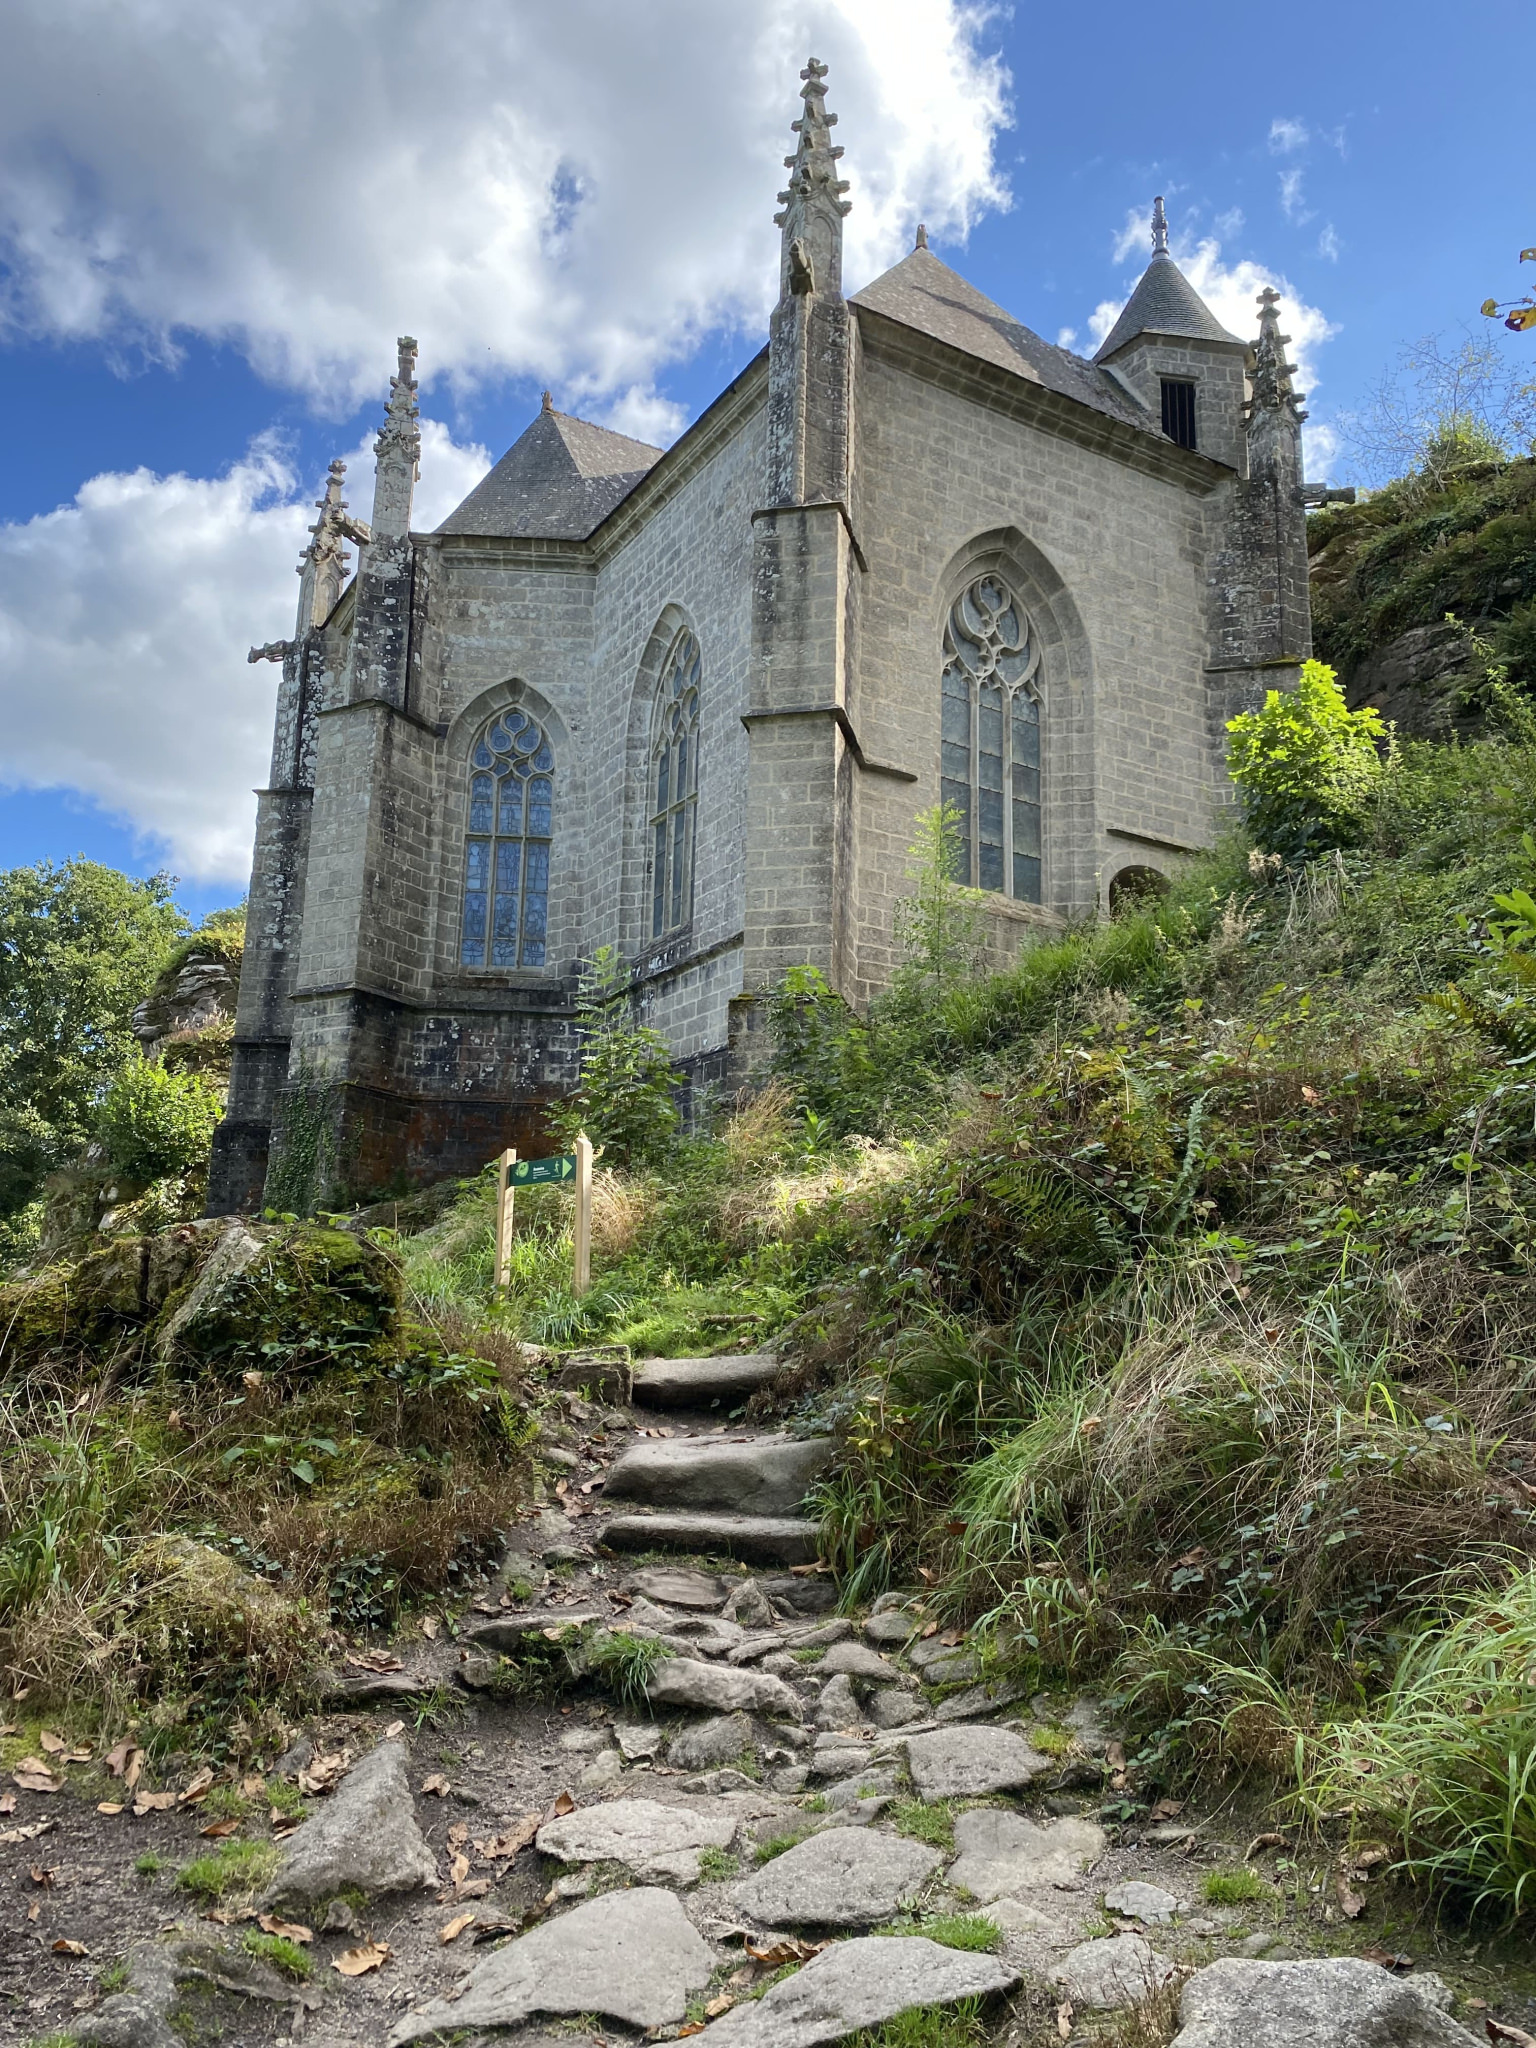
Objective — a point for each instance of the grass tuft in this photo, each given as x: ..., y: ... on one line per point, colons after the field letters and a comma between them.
x: 232, y: 1870
x: 925, y: 1821
x: 283, y: 1955
x: 1234, y: 1887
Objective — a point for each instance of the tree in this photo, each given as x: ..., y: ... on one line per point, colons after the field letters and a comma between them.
x: 939, y: 925
x: 1305, y: 765
x: 623, y: 1100
x: 79, y: 946
x: 1443, y: 403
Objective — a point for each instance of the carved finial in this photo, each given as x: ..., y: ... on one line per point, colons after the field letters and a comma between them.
x: 546, y: 402
x: 1159, y: 228
x: 813, y: 205
x: 922, y: 236
x: 1270, y: 373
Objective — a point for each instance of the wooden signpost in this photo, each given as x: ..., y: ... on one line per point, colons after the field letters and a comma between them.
x: 513, y: 1173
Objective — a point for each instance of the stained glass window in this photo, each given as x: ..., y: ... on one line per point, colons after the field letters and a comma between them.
x: 506, y: 860
x: 674, y: 788
x: 990, y: 739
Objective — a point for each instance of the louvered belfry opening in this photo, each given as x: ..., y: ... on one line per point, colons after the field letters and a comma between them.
x: 1179, y: 411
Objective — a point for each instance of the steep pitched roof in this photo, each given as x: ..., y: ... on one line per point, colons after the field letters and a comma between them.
x: 924, y: 293
x: 558, y: 480
x: 1164, y: 302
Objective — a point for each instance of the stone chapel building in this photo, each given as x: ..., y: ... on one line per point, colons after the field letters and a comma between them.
x: 689, y: 703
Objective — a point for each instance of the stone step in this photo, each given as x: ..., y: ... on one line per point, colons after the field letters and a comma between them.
x: 763, y: 1475
x: 696, y: 1382
x: 755, y: 1539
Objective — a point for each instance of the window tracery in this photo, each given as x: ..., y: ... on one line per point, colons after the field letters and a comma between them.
x: 506, y: 857
x: 674, y: 788
x: 990, y: 768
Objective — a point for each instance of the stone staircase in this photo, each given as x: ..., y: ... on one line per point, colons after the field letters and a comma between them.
x: 703, y: 1488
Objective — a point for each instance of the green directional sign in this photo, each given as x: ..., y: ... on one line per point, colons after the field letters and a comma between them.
x: 532, y: 1173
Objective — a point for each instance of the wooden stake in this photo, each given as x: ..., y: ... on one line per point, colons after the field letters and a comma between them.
x: 504, y: 1199
x: 583, y: 1212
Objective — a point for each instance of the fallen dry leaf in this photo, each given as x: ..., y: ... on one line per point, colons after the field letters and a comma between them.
x: 788, y: 1949
x: 42, y: 1877
x: 1351, y: 1904
x: 1389, y: 1959
x: 54, y: 1744
x: 374, y: 1660
x: 357, y: 1962
x: 63, y: 1947
x: 431, y: 1628
x: 7, y: 1802
x: 1269, y: 1841
x: 197, y: 1788
x: 683, y: 2033
x: 563, y: 1804
x: 453, y: 1928
x: 109, y: 1806
x: 290, y: 1930
x: 1501, y: 2030
x: 216, y: 1830
x: 284, y: 1823
x: 324, y: 1773
x: 495, y: 1847
x: 437, y: 1784
x: 1064, y: 2019
x: 488, y: 1930
x: 29, y: 1833
x: 458, y: 1870
x: 395, y: 1728
x: 224, y: 1919
x: 1369, y: 1856
x: 1166, y: 1809
x: 716, y: 2006
x: 33, y: 1775
x: 152, y: 1802
x: 33, y: 1911
x: 458, y: 1834
x: 253, y: 1787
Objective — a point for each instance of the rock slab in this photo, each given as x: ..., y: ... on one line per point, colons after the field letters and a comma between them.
x: 842, y: 1877
x: 967, y: 1762
x: 654, y: 1841
x: 766, y: 1476
x: 721, y: 1689
x: 1002, y: 1855
x: 1117, y: 1972
x: 1148, y: 1903
x: 857, y: 1984
x: 676, y: 1586
x: 365, y: 1834
x: 630, y: 1955
x: 1342, y: 2002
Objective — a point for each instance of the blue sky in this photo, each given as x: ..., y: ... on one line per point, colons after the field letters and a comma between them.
x: 200, y: 299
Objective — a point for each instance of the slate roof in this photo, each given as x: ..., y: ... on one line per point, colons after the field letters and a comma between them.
x: 558, y: 481
x: 924, y: 293
x: 1165, y: 302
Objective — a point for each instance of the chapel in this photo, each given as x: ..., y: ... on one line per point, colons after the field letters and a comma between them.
x: 688, y: 703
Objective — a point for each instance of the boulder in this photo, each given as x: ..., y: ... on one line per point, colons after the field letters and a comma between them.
x: 631, y: 1956
x: 769, y: 1475
x: 892, y: 1630
x: 984, y: 1698
x: 720, y: 1741
x: 966, y: 1762
x: 1002, y: 1854
x: 750, y: 1606
x: 660, y: 1843
x: 720, y: 1689
x: 838, y: 1706
x: 1115, y: 1973
x: 636, y: 1739
x: 1340, y: 2002
x: 858, y: 1660
x: 365, y: 1835
x: 857, y: 1984
x: 893, y: 1708
x: 1148, y: 1903
x: 842, y: 1877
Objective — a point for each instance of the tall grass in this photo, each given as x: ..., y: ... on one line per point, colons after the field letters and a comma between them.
x: 1446, y: 1765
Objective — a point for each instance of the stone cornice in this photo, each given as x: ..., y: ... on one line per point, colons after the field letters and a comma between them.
x: 968, y: 376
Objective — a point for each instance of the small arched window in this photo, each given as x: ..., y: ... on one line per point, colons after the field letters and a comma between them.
x: 991, y: 739
x: 506, y: 857
x: 674, y: 787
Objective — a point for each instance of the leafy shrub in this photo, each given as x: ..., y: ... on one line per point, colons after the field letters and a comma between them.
x: 624, y: 1098
x: 155, y: 1123
x: 1305, y: 765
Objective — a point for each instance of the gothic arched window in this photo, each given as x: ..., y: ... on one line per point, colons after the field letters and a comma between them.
x: 991, y: 739
x: 674, y: 788
x: 506, y: 856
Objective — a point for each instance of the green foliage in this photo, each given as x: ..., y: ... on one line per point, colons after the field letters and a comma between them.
x: 777, y: 1845
x: 1237, y: 1887
x: 929, y: 2026
x: 1306, y: 765
x: 971, y: 1931
x: 924, y: 1822
x: 79, y: 947
x: 624, y: 1098
x: 149, y: 1864
x: 715, y: 1866
x: 279, y: 1953
x: 939, y: 925
x: 232, y: 1870
x: 624, y: 1663
x: 1447, y: 1763
x: 155, y: 1123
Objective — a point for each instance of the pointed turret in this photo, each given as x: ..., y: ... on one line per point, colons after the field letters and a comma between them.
x: 1175, y: 354
x: 398, y: 450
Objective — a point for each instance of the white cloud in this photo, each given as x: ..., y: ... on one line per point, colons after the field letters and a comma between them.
x: 124, y: 620
x: 1287, y: 136
x: 1320, y: 448
x: 1228, y: 223
x: 1134, y: 237
x: 1293, y: 202
x: 1066, y: 337
x: 573, y: 196
x: 1328, y: 243
x: 1231, y: 291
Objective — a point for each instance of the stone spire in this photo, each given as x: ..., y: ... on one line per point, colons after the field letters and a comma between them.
x: 322, y: 568
x: 1271, y: 374
x: 398, y: 450
x: 1159, y: 228
x: 812, y: 219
